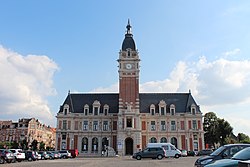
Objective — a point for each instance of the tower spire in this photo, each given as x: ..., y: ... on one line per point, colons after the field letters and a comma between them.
x: 129, y: 28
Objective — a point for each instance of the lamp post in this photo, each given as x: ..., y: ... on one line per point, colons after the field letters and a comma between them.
x: 107, y: 148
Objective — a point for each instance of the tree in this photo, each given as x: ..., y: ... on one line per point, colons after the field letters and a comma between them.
x: 223, y: 130
x: 34, y: 145
x: 243, y: 138
x: 216, y: 130
x: 42, y: 145
x: 210, y: 124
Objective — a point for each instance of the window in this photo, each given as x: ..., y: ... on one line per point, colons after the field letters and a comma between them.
x: 64, y: 124
x: 105, y: 125
x: 162, y: 110
x: 85, y: 125
x: 153, y: 140
x: 95, y: 125
x: 95, y: 110
x: 182, y: 125
x: 153, y: 128
x: 172, y: 109
x: 194, y: 124
x: 152, y: 111
x: 129, y: 123
x: 114, y: 125
x: 195, y: 137
x: 163, y: 125
x: 105, y: 111
x: 163, y: 140
x: 173, y: 125
x: 69, y: 125
x: 95, y: 144
x: 63, y: 137
x: 76, y: 125
x: 86, y: 111
x: 65, y: 111
x: 193, y: 109
x: 85, y: 144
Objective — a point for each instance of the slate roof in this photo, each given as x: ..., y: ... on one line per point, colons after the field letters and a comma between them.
x: 182, y: 101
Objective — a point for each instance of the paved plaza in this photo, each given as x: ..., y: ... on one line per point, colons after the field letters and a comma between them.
x: 108, y: 162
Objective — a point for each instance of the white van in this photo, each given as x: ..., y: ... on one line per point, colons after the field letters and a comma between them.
x: 171, y: 150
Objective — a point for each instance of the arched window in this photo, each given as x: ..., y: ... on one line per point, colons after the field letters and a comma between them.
x: 163, y: 140
x: 174, y: 141
x: 105, y: 143
x: 85, y: 144
x: 95, y: 144
x: 153, y: 140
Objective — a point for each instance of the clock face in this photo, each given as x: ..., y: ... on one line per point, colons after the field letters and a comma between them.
x: 128, y: 66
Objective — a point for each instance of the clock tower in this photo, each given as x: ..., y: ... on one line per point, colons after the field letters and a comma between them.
x: 128, y: 73
x: 129, y: 128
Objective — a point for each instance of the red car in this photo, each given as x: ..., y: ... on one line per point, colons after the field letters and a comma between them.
x: 74, y: 153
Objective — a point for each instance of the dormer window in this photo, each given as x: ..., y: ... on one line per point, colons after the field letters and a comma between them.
x: 96, y: 107
x: 172, y: 109
x: 106, y: 109
x: 162, y: 107
x: 152, y: 109
x: 65, y: 109
x: 193, y: 109
x: 86, y: 109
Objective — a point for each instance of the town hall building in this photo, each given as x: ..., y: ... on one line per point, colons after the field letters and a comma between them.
x: 128, y: 120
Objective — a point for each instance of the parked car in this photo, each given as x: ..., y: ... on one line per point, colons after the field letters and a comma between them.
x: 242, y: 155
x: 152, y: 152
x: 8, y: 156
x: 30, y: 155
x: 223, y: 152
x: 204, y: 152
x: 65, y: 154
x: 184, y: 153
x: 244, y: 163
x: 191, y: 153
x: 171, y: 150
x: 57, y: 154
x: 19, y: 154
x: 43, y: 154
x: 74, y: 153
x: 51, y: 155
x: 2, y: 157
x: 38, y: 156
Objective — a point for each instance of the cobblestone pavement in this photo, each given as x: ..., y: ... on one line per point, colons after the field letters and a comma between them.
x: 108, y: 162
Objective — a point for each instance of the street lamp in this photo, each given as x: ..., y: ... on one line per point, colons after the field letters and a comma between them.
x: 107, y: 147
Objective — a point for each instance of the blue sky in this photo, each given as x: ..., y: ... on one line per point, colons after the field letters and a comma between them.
x: 50, y: 47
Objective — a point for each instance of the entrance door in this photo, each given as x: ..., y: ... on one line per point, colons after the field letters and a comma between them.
x: 129, y: 146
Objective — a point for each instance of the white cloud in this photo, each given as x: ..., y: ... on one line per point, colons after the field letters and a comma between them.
x: 231, y: 53
x: 25, y: 83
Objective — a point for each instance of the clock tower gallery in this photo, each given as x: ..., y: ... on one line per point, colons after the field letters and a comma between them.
x: 129, y: 132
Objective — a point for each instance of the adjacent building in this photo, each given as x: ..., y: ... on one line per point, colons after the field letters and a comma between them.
x: 27, y: 129
x: 128, y: 120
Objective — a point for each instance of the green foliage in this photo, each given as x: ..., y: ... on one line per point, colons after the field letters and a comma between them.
x: 34, y: 145
x: 243, y: 138
x: 216, y: 130
x: 42, y: 146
